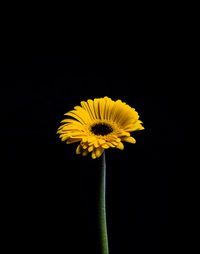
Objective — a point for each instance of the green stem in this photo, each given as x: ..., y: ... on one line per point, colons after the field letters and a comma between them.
x: 102, y: 206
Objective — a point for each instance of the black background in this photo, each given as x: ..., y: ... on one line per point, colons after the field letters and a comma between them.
x: 50, y: 192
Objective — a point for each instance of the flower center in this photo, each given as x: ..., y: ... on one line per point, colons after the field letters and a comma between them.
x: 101, y: 129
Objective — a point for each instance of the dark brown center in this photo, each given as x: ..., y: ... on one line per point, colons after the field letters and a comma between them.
x: 101, y: 129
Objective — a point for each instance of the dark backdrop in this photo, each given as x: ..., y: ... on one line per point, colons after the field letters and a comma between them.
x: 50, y: 192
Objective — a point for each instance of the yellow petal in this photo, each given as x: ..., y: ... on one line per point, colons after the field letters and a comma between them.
x: 120, y: 146
x: 74, y: 114
x: 85, y: 152
x: 64, y: 137
x: 91, y: 139
x: 92, y: 109
x: 110, y: 144
x: 134, y: 127
x: 102, y: 141
x: 85, y: 146
x: 113, y: 138
x: 101, y: 107
x: 110, y: 109
x: 96, y: 143
x: 114, y: 143
x: 123, y: 133
x: 106, y: 146
x: 73, y: 140
x: 90, y: 148
x: 78, y: 149
x: 129, y: 139
x: 96, y: 108
x: 94, y: 155
x: 87, y: 108
x: 99, y: 152
x: 70, y: 121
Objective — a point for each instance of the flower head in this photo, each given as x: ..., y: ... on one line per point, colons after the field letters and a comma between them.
x: 98, y: 125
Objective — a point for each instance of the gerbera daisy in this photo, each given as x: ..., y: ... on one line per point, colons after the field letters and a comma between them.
x: 98, y: 125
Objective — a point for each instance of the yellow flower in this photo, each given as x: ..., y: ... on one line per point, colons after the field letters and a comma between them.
x: 98, y: 125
